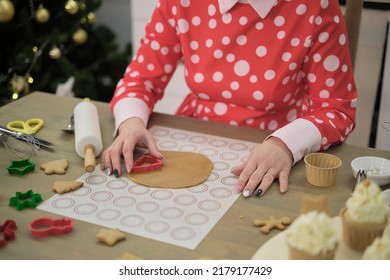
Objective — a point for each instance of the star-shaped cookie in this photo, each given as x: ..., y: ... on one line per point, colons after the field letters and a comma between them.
x: 110, y: 236
x: 129, y: 256
x: 55, y: 166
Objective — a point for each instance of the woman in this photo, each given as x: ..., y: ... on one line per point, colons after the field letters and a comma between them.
x: 277, y: 65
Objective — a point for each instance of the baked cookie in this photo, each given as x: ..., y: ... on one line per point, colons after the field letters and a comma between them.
x: 66, y: 186
x: 55, y: 166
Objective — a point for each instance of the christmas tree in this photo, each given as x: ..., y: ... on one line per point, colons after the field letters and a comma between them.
x: 43, y: 43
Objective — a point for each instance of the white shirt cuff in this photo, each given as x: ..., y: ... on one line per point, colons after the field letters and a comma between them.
x: 129, y: 108
x: 301, y: 137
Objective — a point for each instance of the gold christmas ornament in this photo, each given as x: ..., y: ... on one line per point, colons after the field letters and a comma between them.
x: 7, y: 11
x: 55, y: 53
x: 42, y: 15
x: 19, y: 84
x: 83, y: 6
x: 72, y: 7
x: 91, y: 18
x: 80, y: 36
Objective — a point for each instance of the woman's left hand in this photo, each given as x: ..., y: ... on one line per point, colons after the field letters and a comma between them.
x: 269, y: 160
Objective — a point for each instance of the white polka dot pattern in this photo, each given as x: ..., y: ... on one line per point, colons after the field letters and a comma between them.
x: 245, y: 70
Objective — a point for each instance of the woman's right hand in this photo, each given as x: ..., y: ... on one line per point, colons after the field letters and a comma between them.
x: 131, y: 133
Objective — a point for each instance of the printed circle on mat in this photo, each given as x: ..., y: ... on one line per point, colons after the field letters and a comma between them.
x: 171, y: 212
x: 221, y: 192
x: 230, y: 180
x: 124, y: 201
x: 179, y: 135
x: 188, y: 148
x: 213, y: 177
x: 117, y: 184
x: 183, y: 233
x: 185, y: 199
x: 198, y: 139
x: 238, y: 147
x: 132, y: 220
x: 147, y: 207
x: 139, y: 190
x: 102, y: 196
x: 96, y: 179
x: 161, y: 194
x: 160, y: 132
x: 218, y: 143
x: 198, y: 189
x: 219, y: 165
x: 209, y: 205
x: 108, y: 214
x: 83, y: 191
x: 63, y: 203
x: 157, y: 227
x: 85, y: 208
x: 229, y: 156
x: 208, y: 152
x: 196, y: 219
x: 167, y: 145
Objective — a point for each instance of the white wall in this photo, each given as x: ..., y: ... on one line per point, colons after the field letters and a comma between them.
x: 370, y: 50
x: 116, y: 15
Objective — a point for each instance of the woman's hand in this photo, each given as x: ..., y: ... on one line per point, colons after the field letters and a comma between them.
x: 131, y: 133
x: 270, y: 160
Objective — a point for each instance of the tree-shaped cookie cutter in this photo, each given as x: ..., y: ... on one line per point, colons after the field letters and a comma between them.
x: 146, y: 163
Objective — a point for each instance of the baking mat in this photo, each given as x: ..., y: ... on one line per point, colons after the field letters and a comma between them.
x: 181, y: 217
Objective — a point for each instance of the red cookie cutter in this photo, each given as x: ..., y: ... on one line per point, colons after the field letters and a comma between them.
x: 146, y: 163
x: 7, y: 232
x: 46, y: 226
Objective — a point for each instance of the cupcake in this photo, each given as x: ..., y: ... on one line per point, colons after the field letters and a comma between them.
x: 312, y: 236
x: 365, y: 216
x: 380, y: 248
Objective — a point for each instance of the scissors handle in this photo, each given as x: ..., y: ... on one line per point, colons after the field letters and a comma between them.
x: 30, y: 126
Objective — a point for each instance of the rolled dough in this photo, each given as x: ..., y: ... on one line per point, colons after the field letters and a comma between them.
x: 179, y: 170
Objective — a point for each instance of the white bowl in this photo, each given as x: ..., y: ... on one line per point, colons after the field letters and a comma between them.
x: 377, y: 169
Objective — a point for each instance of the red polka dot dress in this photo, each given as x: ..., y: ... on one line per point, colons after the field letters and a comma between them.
x: 281, y: 66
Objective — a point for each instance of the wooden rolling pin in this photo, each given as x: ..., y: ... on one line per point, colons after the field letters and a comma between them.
x: 88, y: 138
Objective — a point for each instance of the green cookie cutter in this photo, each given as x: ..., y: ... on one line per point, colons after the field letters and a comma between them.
x: 25, y: 200
x: 21, y: 167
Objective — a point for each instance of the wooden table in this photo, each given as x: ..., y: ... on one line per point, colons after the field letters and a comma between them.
x: 234, y: 236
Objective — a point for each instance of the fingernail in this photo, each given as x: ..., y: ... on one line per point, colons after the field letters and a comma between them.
x: 116, y: 173
x: 246, y: 193
x: 128, y: 168
x: 258, y: 192
x: 108, y: 171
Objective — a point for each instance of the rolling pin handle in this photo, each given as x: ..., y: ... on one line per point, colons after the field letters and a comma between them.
x: 90, y: 160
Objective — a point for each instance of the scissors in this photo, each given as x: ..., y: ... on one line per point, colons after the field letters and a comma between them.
x: 30, y: 126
